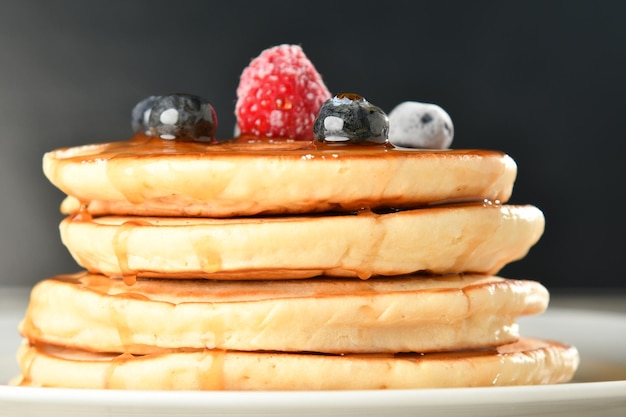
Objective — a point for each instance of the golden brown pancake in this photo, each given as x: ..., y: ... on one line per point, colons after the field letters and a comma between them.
x: 451, y: 239
x: 526, y: 362
x: 170, y: 178
x: 404, y: 314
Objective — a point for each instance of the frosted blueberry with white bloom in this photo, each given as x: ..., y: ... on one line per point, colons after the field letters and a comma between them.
x: 420, y: 125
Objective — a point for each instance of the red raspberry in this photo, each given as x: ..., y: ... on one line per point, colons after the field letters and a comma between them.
x: 279, y: 95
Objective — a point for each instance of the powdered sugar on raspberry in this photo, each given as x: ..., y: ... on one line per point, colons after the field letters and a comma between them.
x: 279, y: 95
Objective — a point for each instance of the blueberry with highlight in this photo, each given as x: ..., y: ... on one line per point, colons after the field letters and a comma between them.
x: 350, y: 118
x: 141, y: 114
x: 178, y: 117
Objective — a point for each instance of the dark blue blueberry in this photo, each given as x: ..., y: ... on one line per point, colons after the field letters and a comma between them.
x: 181, y: 116
x: 350, y: 118
x: 141, y: 113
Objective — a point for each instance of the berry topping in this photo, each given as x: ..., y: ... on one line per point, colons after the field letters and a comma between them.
x: 351, y: 118
x: 141, y: 114
x: 420, y: 125
x: 279, y: 94
x: 175, y: 116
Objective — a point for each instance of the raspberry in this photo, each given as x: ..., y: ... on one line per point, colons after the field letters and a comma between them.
x: 279, y: 95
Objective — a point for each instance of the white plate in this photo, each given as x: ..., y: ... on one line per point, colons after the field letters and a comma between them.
x: 599, y: 389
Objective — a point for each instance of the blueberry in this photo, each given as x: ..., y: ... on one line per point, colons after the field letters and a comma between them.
x: 181, y: 116
x: 420, y: 125
x: 141, y: 114
x: 350, y: 118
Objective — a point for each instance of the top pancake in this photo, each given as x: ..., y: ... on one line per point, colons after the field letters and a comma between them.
x: 153, y: 177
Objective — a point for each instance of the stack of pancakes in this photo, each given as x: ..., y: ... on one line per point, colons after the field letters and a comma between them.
x: 282, y: 265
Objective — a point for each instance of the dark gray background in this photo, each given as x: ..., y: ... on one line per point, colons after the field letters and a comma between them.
x: 542, y: 81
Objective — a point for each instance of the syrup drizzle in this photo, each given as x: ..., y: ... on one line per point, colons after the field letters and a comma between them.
x: 120, y: 247
x: 210, y: 370
x: 109, y: 379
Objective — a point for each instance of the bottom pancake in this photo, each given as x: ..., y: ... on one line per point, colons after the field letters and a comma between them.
x: 526, y: 362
